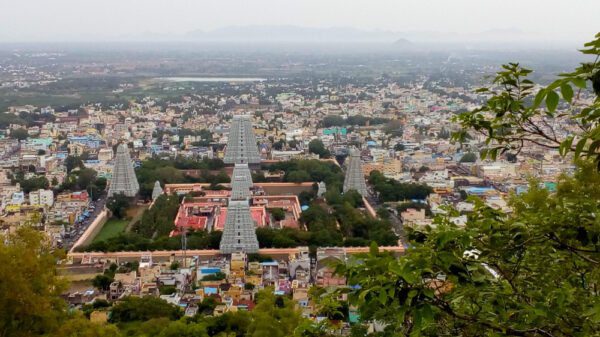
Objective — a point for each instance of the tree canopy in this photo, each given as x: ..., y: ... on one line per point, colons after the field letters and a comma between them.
x: 532, y: 272
x: 391, y: 190
x: 517, y: 115
x: 30, y: 289
x: 316, y: 146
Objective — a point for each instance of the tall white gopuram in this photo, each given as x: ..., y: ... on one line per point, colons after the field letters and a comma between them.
x: 123, y: 176
x: 355, y: 178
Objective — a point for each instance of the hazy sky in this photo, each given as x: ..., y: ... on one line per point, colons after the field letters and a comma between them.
x: 52, y: 20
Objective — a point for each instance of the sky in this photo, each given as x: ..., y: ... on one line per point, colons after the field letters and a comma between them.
x: 105, y: 20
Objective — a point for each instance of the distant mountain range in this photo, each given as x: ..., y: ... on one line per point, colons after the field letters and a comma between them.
x: 299, y: 34
x: 291, y: 34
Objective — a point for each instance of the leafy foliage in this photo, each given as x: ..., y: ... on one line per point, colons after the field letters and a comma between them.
x: 517, y: 115
x: 345, y: 226
x: 30, y: 289
x: 158, y: 220
x: 142, y: 309
x: 494, y: 275
x: 19, y: 134
x: 330, y: 121
x: 172, y: 172
x: 316, y: 146
x: 136, y: 242
x: 468, y: 157
x: 392, y: 190
x: 277, y: 213
x: 311, y: 170
x: 118, y: 205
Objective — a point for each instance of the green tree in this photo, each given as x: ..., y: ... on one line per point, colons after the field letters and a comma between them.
x: 277, y: 213
x: 273, y: 316
x: 298, y: 176
x: 467, y: 281
x: 102, y: 282
x: 101, y: 183
x: 391, y: 190
x: 118, y: 205
x: 85, y: 177
x: 515, y: 116
x: 30, y: 290
x: 278, y: 145
x: 72, y: 162
x: 468, y: 157
x: 132, y: 309
x: 79, y: 326
x: 19, y: 134
x: 532, y: 272
x: 316, y: 146
x: 34, y: 184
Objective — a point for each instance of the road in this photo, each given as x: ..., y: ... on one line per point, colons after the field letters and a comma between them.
x: 78, y: 229
x: 397, y: 225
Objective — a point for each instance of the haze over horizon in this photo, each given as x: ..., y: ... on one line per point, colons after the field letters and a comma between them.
x: 322, y: 21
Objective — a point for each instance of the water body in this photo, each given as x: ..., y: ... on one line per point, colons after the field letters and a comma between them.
x: 212, y: 79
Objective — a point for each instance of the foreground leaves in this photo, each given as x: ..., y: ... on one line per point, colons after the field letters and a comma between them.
x: 534, y: 272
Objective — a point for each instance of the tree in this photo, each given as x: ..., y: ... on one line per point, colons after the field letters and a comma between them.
x: 274, y: 316
x: 399, y: 147
x: 79, y: 326
x: 516, y: 115
x: 316, y: 146
x: 30, y: 289
x: 19, y: 134
x: 278, y: 145
x: 72, y: 162
x: 298, y: 176
x: 142, y: 309
x: 102, y: 282
x: 468, y: 157
x: 85, y: 177
x: 532, y: 272
x: 118, y: 205
x: 277, y: 213
x: 34, y: 184
x: 464, y: 281
x: 391, y: 190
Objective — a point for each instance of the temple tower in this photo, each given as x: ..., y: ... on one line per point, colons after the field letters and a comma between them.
x: 239, y: 234
x: 355, y: 178
x: 157, y: 191
x: 123, y: 176
x: 241, y: 144
x: 241, y: 182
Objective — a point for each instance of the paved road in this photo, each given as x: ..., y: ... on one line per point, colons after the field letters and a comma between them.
x: 397, y: 225
x: 79, y: 228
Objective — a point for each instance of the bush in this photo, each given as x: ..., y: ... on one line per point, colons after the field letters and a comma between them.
x: 277, y: 213
x: 218, y: 276
x: 468, y: 157
x: 142, y: 309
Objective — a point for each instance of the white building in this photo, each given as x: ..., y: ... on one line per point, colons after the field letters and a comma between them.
x: 41, y: 197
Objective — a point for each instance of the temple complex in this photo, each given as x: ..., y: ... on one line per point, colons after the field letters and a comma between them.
x: 355, y: 179
x: 123, y: 176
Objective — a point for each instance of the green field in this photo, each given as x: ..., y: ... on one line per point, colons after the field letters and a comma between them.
x: 111, y: 228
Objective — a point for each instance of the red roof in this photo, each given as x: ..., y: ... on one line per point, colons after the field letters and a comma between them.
x: 259, y: 215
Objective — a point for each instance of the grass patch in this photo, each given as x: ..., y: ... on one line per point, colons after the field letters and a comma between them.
x: 111, y: 228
